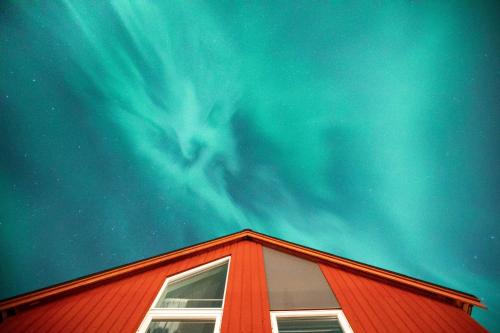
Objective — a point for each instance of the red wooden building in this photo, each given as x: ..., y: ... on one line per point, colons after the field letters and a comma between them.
x: 244, y: 282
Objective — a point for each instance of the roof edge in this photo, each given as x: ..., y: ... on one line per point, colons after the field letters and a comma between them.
x: 36, y: 296
x: 371, y: 270
x: 121, y: 271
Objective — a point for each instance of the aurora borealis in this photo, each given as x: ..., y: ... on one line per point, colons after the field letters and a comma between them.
x: 131, y: 128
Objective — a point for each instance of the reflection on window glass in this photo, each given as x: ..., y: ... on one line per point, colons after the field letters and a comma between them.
x: 202, y: 290
x: 181, y: 326
x: 309, y: 325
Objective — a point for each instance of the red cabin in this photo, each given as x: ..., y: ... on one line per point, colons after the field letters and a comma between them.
x: 244, y: 282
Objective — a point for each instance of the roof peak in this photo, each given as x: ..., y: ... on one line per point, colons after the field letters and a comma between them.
x: 266, y: 240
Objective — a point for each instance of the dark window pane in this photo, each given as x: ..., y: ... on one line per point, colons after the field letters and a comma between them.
x: 296, y: 283
x: 203, y: 290
x: 309, y: 325
x: 181, y: 326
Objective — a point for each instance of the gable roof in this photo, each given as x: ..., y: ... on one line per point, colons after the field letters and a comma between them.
x: 460, y: 299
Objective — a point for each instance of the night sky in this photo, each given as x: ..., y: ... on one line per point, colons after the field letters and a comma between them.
x: 128, y: 129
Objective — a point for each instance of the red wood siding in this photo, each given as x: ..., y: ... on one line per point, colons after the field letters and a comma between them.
x: 372, y: 306
x: 247, y: 291
x: 120, y: 306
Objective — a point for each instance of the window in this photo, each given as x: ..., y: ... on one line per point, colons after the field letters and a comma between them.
x: 297, y: 290
x: 294, y: 283
x: 325, y: 321
x: 190, y: 302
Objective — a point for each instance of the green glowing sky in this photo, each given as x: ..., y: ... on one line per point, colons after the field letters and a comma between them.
x: 128, y: 129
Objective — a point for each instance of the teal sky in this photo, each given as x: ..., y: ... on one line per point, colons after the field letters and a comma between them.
x: 131, y: 128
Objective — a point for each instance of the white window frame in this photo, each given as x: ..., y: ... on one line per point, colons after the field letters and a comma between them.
x: 215, y: 314
x: 339, y: 314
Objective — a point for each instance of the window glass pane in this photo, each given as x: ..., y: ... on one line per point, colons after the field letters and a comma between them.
x: 309, y: 325
x: 296, y: 283
x: 181, y: 326
x: 202, y: 290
